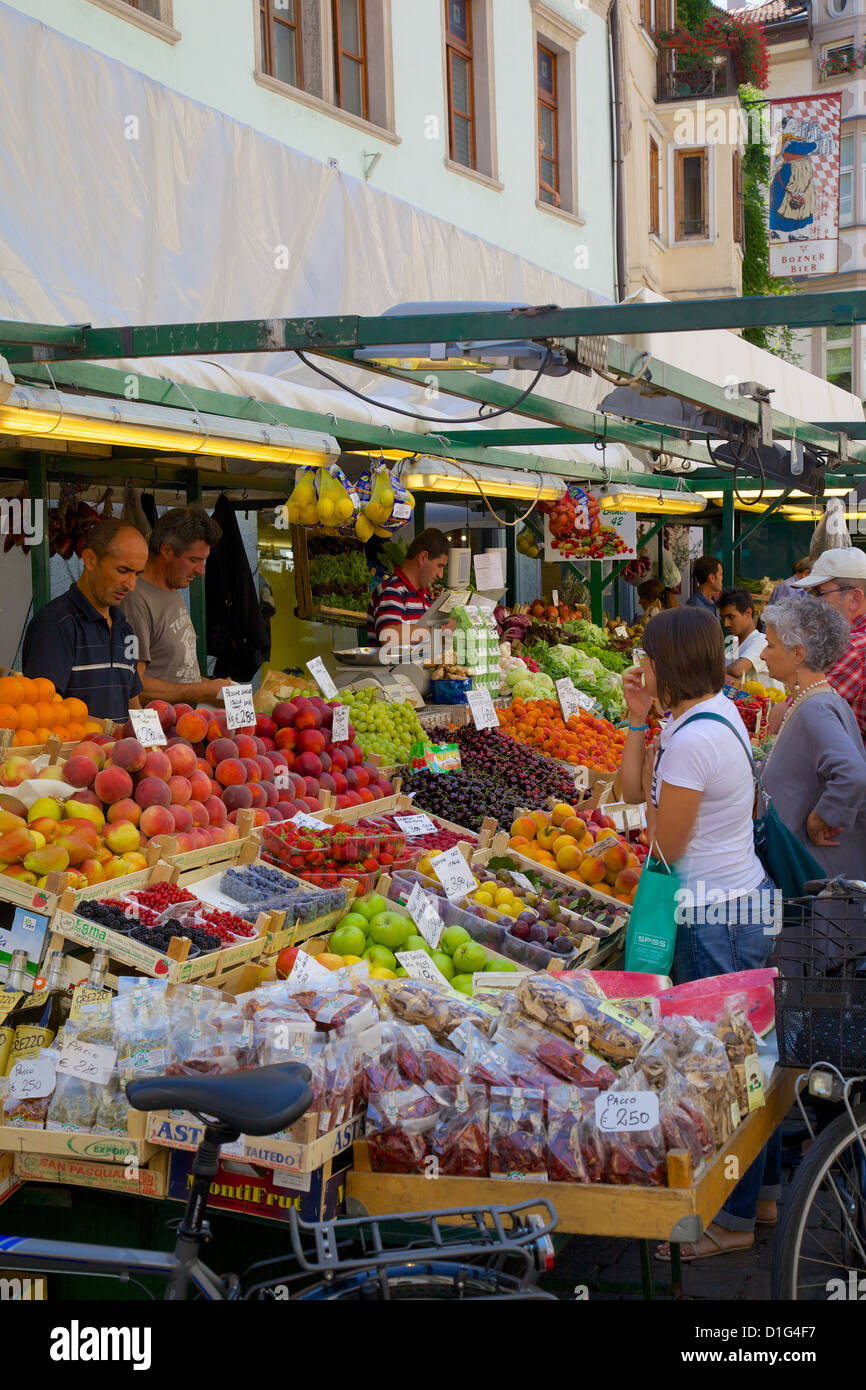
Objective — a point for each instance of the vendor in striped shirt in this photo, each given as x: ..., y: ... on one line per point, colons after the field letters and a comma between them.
x: 403, y: 598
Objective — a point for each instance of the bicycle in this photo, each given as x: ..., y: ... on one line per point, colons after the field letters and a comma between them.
x: 820, y: 1247
x: 462, y: 1252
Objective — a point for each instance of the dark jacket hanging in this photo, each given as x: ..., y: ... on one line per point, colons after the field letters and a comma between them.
x: 236, y: 631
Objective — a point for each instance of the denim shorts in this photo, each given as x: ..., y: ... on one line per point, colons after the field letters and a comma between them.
x: 719, y: 948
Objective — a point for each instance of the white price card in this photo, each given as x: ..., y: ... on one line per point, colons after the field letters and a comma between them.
x: 87, y: 1061
x: 603, y: 843
x: 453, y: 872
x: 488, y: 572
x: 31, y: 1079
x: 340, y: 724
x: 483, y: 710
x: 555, y: 597
x: 413, y: 826
x: 146, y: 727
x: 320, y: 675
x: 419, y: 966
x: 425, y: 915
x: 310, y: 822
x: 621, y: 631
x: 238, y: 701
x: 235, y: 1149
x: 567, y: 695
x: 521, y: 880
x: 618, y: 1111
x: 307, y: 971
x: 401, y: 511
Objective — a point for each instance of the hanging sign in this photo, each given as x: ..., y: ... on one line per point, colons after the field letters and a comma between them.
x: 805, y: 144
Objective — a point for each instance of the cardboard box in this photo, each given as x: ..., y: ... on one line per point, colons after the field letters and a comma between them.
x: 139, y: 1180
x: 132, y: 1148
x: 181, y: 1130
x: 251, y: 1190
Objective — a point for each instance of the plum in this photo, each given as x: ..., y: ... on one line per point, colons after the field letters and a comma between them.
x: 564, y: 945
x: 520, y: 930
x: 538, y: 933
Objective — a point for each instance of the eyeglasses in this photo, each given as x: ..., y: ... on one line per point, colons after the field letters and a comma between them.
x: 822, y: 593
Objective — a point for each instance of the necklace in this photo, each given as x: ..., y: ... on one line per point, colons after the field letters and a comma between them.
x: 803, y: 693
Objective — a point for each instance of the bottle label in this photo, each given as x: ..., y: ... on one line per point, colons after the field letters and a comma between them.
x: 8, y: 1000
x: 28, y: 1042
x: 7, y: 1036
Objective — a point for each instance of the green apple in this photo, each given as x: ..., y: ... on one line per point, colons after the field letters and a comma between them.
x: 380, y: 955
x: 500, y: 965
x: 452, y: 937
x: 463, y: 983
x: 355, y: 919
x: 469, y: 957
x: 371, y: 907
x: 401, y: 972
x: 416, y: 943
x: 391, y: 929
x: 444, y: 963
x: 347, y: 941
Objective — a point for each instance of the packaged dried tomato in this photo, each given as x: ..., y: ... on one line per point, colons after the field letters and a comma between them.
x: 564, y: 1059
x: 460, y: 1143
x: 399, y: 1129
x: 635, y: 1157
x: 565, y: 1107
x: 486, y: 1063
x: 518, y: 1143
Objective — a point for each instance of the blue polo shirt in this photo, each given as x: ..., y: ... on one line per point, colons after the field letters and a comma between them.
x: 72, y: 644
x: 699, y: 600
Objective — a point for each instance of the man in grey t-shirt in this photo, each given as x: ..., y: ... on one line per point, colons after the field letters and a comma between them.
x: 178, y: 547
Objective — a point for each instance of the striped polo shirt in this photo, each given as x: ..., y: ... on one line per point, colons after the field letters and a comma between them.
x: 395, y: 602
x: 72, y: 644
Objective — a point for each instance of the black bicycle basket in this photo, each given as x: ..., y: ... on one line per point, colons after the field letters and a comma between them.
x: 821, y: 987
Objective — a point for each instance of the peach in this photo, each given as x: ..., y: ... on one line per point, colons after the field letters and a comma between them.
x: 183, y: 842
x: 308, y: 765
x: 124, y: 810
x: 182, y: 758
x: 215, y: 834
x: 616, y: 857
x: 128, y: 753
x: 574, y: 826
x: 265, y: 726
x: 257, y: 794
x: 122, y: 837
x: 113, y: 784
x: 90, y: 749
x: 165, y: 712
x: 561, y: 841
x: 560, y: 813
x: 273, y: 795
x: 152, y: 791
x: 16, y: 770
x: 158, y: 820
x: 230, y: 832
x: 591, y: 870
x: 200, y: 817
x: 199, y: 838
x: 80, y: 770
x: 220, y: 749
x: 216, y: 810
x: 627, y: 880
x: 524, y: 826
x: 284, y: 714
x: 180, y: 789
x: 231, y: 772
x: 199, y: 785
x: 311, y: 741
x: 192, y: 726
x: 568, y: 857
x: 237, y: 798
x: 541, y: 818
x: 286, y: 809
x: 547, y: 836
x: 92, y: 870
x: 181, y: 815
x: 252, y: 769
x: 217, y: 726
x: 286, y: 738
x: 261, y: 817
x: 204, y: 766
x: 246, y: 745
x: 157, y: 764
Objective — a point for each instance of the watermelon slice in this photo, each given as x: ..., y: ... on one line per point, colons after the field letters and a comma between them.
x: 708, y: 998
x: 630, y: 984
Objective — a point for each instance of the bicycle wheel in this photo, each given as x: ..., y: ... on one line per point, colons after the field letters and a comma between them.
x: 821, y: 1240
x: 430, y: 1281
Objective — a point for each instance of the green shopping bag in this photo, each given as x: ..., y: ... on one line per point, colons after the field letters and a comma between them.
x: 651, y: 934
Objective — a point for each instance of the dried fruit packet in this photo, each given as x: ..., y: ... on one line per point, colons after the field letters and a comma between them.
x: 518, y: 1142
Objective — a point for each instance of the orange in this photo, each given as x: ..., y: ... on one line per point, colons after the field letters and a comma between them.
x: 74, y: 731
x: 11, y: 690
x: 44, y: 688
x: 20, y: 738
x: 76, y: 709
x: 46, y: 712
x: 8, y: 717
x: 40, y: 735
x: 31, y: 694
x: 59, y: 714
x: 93, y: 726
x: 28, y: 717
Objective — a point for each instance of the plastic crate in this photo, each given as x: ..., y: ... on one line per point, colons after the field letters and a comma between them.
x: 821, y: 986
x: 346, y: 849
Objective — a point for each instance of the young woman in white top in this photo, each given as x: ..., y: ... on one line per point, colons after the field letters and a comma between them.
x: 699, y: 788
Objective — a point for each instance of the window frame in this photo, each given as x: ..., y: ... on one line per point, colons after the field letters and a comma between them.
x: 550, y: 103
x: 267, y: 13
x: 162, y: 28
x: 462, y: 48
x: 559, y: 36
x: 849, y: 219
x: 839, y: 345
x: 361, y: 58
x: 679, y: 155
x: 655, y: 186
x: 739, y: 212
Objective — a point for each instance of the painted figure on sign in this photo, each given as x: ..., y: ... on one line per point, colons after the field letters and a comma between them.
x: 792, y: 191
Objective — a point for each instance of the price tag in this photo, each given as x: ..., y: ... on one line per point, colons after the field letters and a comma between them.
x: 415, y: 825
x: 498, y: 981
x: 87, y: 1061
x: 424, y: 914
x: 488, y: 572
x: 419, y: 966
x: 310, y: 822
x: 318, y: 671
x: 146, y: 727
x: 235, y: 1149
x: 238, y: 701
x: 621, y: 631
x: 555, y: 597
x: 602, y: 843
x: 521, y: 880
x: 567, y: 695
x: 28, y: 1080
x: 401, y: 511
x: 619, y: 1111
x: 307, y: 971
x: 453, y: 872
x: 340, y: 724
x: 483, y: 710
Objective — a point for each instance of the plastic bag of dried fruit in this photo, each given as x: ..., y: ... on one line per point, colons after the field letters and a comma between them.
x: 566, y: 1106
x: 460, y: 1142
x: 399, y: 1129
x: 518, y: 1140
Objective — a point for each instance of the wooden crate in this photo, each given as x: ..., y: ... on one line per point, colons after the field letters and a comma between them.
x: 148, y: 1179
x: 180, y: 1131
x: 500, y: 847
x: 679, y: 1213
x: 133, y: 1148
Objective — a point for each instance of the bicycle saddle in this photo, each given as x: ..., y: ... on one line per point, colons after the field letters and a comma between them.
x: 261, y: 1100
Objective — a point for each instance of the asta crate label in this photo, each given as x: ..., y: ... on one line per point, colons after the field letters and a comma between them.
x: 435, y: 757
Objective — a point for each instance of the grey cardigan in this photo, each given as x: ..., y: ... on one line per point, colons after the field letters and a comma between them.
x: 818, y: 764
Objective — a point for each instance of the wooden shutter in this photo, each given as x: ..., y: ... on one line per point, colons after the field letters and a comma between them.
x: 739, y: 218
x: 654, y: 186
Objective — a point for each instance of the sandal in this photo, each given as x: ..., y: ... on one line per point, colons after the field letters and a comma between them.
x: 767, y: 1220
x: 689, y: 1251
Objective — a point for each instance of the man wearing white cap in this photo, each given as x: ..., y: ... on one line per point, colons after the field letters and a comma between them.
x: 839, y: 576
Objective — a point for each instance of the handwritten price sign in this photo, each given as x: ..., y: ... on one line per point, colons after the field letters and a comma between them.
x: 87, y: 1061
x: 622, y: 1111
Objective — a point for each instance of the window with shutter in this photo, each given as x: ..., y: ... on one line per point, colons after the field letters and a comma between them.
x: 654, y: 224
x: 690, y: 194
x: 461, y: 107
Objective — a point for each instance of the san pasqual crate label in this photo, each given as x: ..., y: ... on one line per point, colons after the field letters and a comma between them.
x: 147, y: 727
x: 87, y: 1061
x: 415, y: 825
x: 754, y: 1081
x: 318, y: 671
x: 31, y: 1078
x: 483, y: 710
x: 453, y: 872
x: 238, y: 702
x: 419, y: 966
x: 623, y: 1111
x: 340, y: 724
x: 424, y: 914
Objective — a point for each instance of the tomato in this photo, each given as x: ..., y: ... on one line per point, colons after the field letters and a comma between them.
x: 285, y: 961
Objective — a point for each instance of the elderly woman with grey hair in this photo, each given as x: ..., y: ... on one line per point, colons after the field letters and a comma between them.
x: 816, y: 772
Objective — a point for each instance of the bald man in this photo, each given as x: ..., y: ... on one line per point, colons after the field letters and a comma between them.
x: 82, y: 641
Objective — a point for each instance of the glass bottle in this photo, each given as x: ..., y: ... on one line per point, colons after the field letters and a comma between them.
x: 38, y: 1017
